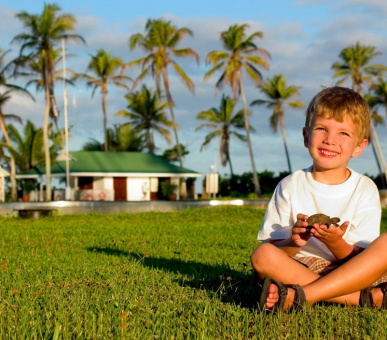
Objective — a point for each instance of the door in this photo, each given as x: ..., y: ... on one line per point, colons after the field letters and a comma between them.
x: 120, y: 185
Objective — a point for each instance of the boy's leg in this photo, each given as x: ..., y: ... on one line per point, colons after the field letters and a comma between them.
x: 268, y: 260
x: 356, y: 274
x: 343, y: 285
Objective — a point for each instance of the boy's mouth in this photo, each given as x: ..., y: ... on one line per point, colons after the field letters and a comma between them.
x: 327, y: 153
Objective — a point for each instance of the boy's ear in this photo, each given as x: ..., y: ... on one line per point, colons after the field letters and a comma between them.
x: 360, y: 148
x: 306, y: 137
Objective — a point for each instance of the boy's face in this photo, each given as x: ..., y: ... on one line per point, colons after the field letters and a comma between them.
x: 331, y: 144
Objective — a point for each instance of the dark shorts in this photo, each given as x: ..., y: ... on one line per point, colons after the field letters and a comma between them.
x: 324, y: 267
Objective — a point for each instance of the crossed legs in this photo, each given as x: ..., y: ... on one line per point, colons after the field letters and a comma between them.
x: 342, y: 285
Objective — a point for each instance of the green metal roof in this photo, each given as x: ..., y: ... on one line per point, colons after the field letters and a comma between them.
x: 114, y: 162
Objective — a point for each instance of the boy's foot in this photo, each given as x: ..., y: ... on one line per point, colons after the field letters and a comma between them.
x: 273, y: 296
x: 277, y: 296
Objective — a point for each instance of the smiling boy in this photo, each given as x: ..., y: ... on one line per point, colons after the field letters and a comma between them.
x: 336, y: 129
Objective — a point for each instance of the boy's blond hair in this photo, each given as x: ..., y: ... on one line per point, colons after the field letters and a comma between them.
x: 339, y: 102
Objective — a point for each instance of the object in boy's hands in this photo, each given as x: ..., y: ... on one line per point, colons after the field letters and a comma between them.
x: 321, y: 219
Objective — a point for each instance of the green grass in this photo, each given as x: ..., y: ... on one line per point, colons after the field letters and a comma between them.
x: 180, y: 275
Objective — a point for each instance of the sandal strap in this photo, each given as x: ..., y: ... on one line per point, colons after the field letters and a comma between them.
x: 282, y: 294
x: 264, y: 292
x: 299, y: 301
x: 383, y: 287
x: 366, y: 299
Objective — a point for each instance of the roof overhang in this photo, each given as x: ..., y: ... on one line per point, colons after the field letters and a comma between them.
x: 111, y: 174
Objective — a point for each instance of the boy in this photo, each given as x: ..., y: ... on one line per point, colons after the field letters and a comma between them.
x: 336, y: 129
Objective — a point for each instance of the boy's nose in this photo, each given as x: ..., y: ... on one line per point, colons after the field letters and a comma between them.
x: 329, y: 139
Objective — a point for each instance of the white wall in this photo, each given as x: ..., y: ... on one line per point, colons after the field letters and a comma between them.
x: 138, y: 189
x: 103, y: 183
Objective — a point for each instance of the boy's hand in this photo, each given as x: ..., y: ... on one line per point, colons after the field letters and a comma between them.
x: 329, y: 235
x: 299, y: 232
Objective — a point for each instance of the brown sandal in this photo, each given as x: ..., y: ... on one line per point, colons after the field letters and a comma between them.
x: 299, y: 296
x: 366, y: 299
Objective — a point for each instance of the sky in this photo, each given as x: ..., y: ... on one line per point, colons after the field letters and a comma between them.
x: 304, y: 39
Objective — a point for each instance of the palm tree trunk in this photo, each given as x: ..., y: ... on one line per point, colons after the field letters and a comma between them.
x: 183, y: 184
x: 375, y: 139
x: 229, y: 163
x: 150, y: 141
x: 45, y: 142
x: 106, y: 147
x: 170, y: 105
x: 281, y: 118
x: 382, y: 179
x: 13, y: 166
x: 255, y: 175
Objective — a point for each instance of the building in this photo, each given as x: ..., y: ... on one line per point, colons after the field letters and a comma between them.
x: 114, y: 176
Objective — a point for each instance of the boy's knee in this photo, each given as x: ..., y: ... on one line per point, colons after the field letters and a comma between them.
x: 261, y: 255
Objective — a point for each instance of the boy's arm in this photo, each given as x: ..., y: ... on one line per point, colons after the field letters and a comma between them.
x: 299, y: 237
x: 332, y: 237
x: 342, y: 250
x: 288, y: 246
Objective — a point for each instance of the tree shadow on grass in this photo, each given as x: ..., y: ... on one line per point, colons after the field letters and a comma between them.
x: 230, y: 285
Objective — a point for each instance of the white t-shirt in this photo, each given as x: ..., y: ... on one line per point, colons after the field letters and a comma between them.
x: 356, y: 200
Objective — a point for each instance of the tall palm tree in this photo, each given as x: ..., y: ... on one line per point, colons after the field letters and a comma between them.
x: 35, y: 68
x: 355, y: 66
x: 278, y: 95
x: 146, y: 114
x: 222, y: 121
x: 160, y: 42
x: 43, y: 32
x: 6, y: 90
x: 105, y: 67
x: 241, y: 54
x: 377, y: 97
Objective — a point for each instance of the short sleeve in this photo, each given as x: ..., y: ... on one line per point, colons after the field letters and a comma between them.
x: 277, y: 224
x: 365, y: 225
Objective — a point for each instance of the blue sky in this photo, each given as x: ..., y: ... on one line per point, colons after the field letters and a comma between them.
x: 304, y: 39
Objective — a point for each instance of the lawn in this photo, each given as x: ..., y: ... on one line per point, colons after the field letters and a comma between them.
x: 179, y: 275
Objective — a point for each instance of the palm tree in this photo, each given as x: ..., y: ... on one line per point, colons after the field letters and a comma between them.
x: 120, y: 138
x: 278, y: 95
x: 161, y: 41
x: 376, y: 98
x: 35, y: 67
x: 221, y: 121
x: 146, y: 113
x: 42, y: 33
x: 171, y: 155
x: 105, y: 67
x: 27, y: 147
x: 379, y: 93
x: 241, y: 54
x: 355, y: 66
x: 4, y: 97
